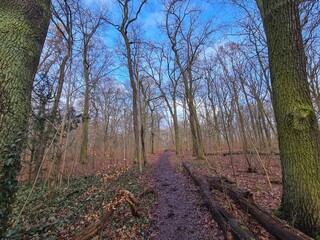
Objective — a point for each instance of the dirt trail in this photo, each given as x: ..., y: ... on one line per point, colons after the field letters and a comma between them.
x: 180, y: 213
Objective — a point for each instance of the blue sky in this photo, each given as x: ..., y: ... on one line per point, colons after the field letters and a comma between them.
x: 152, y: 15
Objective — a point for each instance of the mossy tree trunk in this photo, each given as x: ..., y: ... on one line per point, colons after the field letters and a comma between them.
x: 298, y: 131
x: 23, y: 28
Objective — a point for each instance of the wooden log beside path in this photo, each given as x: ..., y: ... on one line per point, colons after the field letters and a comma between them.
x: 276, y: 227
x: 224, y: 219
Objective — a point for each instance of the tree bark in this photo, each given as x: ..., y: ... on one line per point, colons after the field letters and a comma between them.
x: 23, y: 28
x: 298, y: 132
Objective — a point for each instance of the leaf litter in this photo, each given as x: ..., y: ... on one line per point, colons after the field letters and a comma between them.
x: 169, y: 201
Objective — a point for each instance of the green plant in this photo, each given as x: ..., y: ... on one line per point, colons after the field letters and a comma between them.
x: 279, y: 214
x: 259, y: 187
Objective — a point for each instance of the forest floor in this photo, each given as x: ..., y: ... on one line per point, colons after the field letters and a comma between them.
x: 169, y: 202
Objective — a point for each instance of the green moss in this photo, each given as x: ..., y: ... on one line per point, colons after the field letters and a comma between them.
x: 243, y: 227
x: 279, y: 214
x: 300, y: 117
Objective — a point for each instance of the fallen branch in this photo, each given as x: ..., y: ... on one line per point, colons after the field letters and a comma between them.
x: 121, y: 196
x: 221, y: 216
x: 272, y: 224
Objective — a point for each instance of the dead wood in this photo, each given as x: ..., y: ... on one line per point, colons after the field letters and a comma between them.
x: 249, y: 152
x: 276, y: 182
x: 224, y: 219
x: 121, y: 196
x: 272, y: 224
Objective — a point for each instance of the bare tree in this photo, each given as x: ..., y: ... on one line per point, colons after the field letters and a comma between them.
x: 161, y: 67
x: 129, y: 16
x: 89, y: 22
x: 186, y: 37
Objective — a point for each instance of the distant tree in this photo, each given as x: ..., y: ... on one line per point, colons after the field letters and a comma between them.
x: 89, y: 22
x: 63, y: 14
x: 187, y: 35
x: 298, y: 132
x: 23, y: 28
x: 129, y: 16
x: 159, y: 68
x: 57, y: 56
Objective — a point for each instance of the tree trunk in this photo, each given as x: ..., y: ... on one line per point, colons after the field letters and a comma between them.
x: 217, y: 134
x: 197, y: 144
x: 173, y: 113
x: 135, y: 107
x: 261, y: 116
x: 60, y: 85
x: 85, y: 116
x: 23, y: 28
x: 143, y: 137
x: 177, y: 142
x: 198, y: 147
x: 253, y: 123
x: 242, y: 128
x: 298, y: 131
x: 152, y: 131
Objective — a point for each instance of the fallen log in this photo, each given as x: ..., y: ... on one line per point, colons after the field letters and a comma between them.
x: 224, y: 219
x: 272, y: 224
x: 249, y: 152
x: 121, y: 196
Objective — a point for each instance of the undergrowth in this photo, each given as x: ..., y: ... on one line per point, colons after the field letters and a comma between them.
x: 70, y: 210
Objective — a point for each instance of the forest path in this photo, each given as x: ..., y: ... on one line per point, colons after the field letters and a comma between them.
x: 180, y: 212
